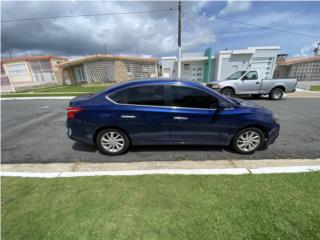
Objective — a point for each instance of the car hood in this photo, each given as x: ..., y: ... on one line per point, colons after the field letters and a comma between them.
x: 248, y: 104
x: 217, y: 81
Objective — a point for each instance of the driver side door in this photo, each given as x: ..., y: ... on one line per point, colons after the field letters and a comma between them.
x: 195, y: 117
x: 250, y: 83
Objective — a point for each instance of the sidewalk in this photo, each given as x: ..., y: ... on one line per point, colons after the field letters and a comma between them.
x: 174, y: 167
x: 304, y: 94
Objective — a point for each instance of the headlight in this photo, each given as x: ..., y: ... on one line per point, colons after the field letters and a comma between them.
x: 215, y: 86
x: 275, y: 118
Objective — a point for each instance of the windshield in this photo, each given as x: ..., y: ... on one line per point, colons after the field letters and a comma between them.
x: 236, y: 75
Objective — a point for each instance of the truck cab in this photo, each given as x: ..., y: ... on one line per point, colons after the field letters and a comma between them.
x: 251, y: 82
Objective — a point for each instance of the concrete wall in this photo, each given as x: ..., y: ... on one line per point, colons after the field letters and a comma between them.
x: 109, y: 71
x: 168, y: 66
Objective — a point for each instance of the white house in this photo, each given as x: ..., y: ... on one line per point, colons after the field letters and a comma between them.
x: 203, y: 67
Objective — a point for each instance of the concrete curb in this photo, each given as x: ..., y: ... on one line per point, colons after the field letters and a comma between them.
x: 38, y: 98
x: 223, y: 171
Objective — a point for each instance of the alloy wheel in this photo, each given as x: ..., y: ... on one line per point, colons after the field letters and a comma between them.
x: 112, y: 142
x: 248, y: 141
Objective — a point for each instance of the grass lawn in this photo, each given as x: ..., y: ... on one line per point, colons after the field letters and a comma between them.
x: 56, y: 91
x: 279, y: 206
x: 60, y: 89
x: 315, y: 88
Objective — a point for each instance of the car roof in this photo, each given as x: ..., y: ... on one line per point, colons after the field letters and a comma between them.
x: 159, y: 81
x: 138, y: 82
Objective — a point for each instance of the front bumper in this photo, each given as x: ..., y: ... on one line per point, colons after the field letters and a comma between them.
x: 273, y: 135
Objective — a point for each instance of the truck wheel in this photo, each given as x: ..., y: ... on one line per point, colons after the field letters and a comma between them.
x: 276, y: 94
x: 227, y: 92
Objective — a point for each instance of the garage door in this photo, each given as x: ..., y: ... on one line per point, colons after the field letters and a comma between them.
x: 264, y: 65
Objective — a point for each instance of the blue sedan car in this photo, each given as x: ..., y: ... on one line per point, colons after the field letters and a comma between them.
x: 168, y: 112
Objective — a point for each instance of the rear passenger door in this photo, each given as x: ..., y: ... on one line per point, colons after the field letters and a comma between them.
x: 142, y: 112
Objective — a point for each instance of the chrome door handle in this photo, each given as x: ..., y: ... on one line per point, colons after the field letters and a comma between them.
x: 128, y: 116
x: 257, y: 82
x: 180, y: 118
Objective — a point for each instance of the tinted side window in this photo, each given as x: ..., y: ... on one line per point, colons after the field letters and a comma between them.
x: 192, y: 98
x: 253, y: 75
x: 144, y: 95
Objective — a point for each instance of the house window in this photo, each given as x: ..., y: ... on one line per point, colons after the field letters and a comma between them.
x: 79, y: 74
x: 18, y: 69
x: 186, y: 66
x: 42, y: 71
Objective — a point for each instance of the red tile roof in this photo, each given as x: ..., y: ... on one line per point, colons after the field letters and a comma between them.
x: 296, y: 60
x: 31, y: 58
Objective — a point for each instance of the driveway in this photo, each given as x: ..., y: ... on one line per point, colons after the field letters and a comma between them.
x: 33, y: 131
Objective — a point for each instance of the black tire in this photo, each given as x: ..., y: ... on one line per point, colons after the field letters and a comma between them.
x: 112, y: 132
x: 235, y: 139
x: 276, y: 94
x: 227, y: 92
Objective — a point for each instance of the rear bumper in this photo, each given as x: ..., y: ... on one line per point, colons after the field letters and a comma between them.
x: 78, y: 133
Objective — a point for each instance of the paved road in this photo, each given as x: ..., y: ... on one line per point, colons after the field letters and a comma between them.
x: 33, y: 131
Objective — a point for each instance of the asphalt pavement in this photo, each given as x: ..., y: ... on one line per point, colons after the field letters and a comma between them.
x: 33, y: 131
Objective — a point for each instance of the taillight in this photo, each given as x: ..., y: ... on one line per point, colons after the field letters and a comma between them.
x: 72, y: 111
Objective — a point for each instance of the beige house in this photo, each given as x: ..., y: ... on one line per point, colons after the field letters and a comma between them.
x: 107, y: 69
x: 30, y: 71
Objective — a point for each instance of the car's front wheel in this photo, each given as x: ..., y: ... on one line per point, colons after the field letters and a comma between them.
x: 248, y: 140
x: 112, y: 141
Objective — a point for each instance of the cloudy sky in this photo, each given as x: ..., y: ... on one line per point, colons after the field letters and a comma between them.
x: 204, y: 25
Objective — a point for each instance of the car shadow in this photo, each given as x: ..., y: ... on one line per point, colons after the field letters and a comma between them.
x: 82, y: 147
x: 177, y: 148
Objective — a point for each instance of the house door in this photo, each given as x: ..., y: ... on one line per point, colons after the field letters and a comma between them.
x: 197, y: 73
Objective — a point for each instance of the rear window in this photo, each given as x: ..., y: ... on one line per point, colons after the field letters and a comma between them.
x: 142, y: 95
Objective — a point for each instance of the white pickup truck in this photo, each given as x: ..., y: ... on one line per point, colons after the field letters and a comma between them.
x: 250, y: 82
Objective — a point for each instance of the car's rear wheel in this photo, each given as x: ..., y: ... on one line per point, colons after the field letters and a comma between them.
x: 112, y: 141
x: 276, y: 94
x: 248, y: 140
x: 227, y: 92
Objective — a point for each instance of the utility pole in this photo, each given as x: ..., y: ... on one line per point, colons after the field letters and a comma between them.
x: 317, y: 49
x: 105, y: 49
x: 179, y: 40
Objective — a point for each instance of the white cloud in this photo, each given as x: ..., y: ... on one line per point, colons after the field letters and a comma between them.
x: 235, y: 6
x: 144, y: 34
x: 306, y: 50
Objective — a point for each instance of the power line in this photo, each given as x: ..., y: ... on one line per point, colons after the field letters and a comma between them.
x: 88, y: 15
x: 259, y: 26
